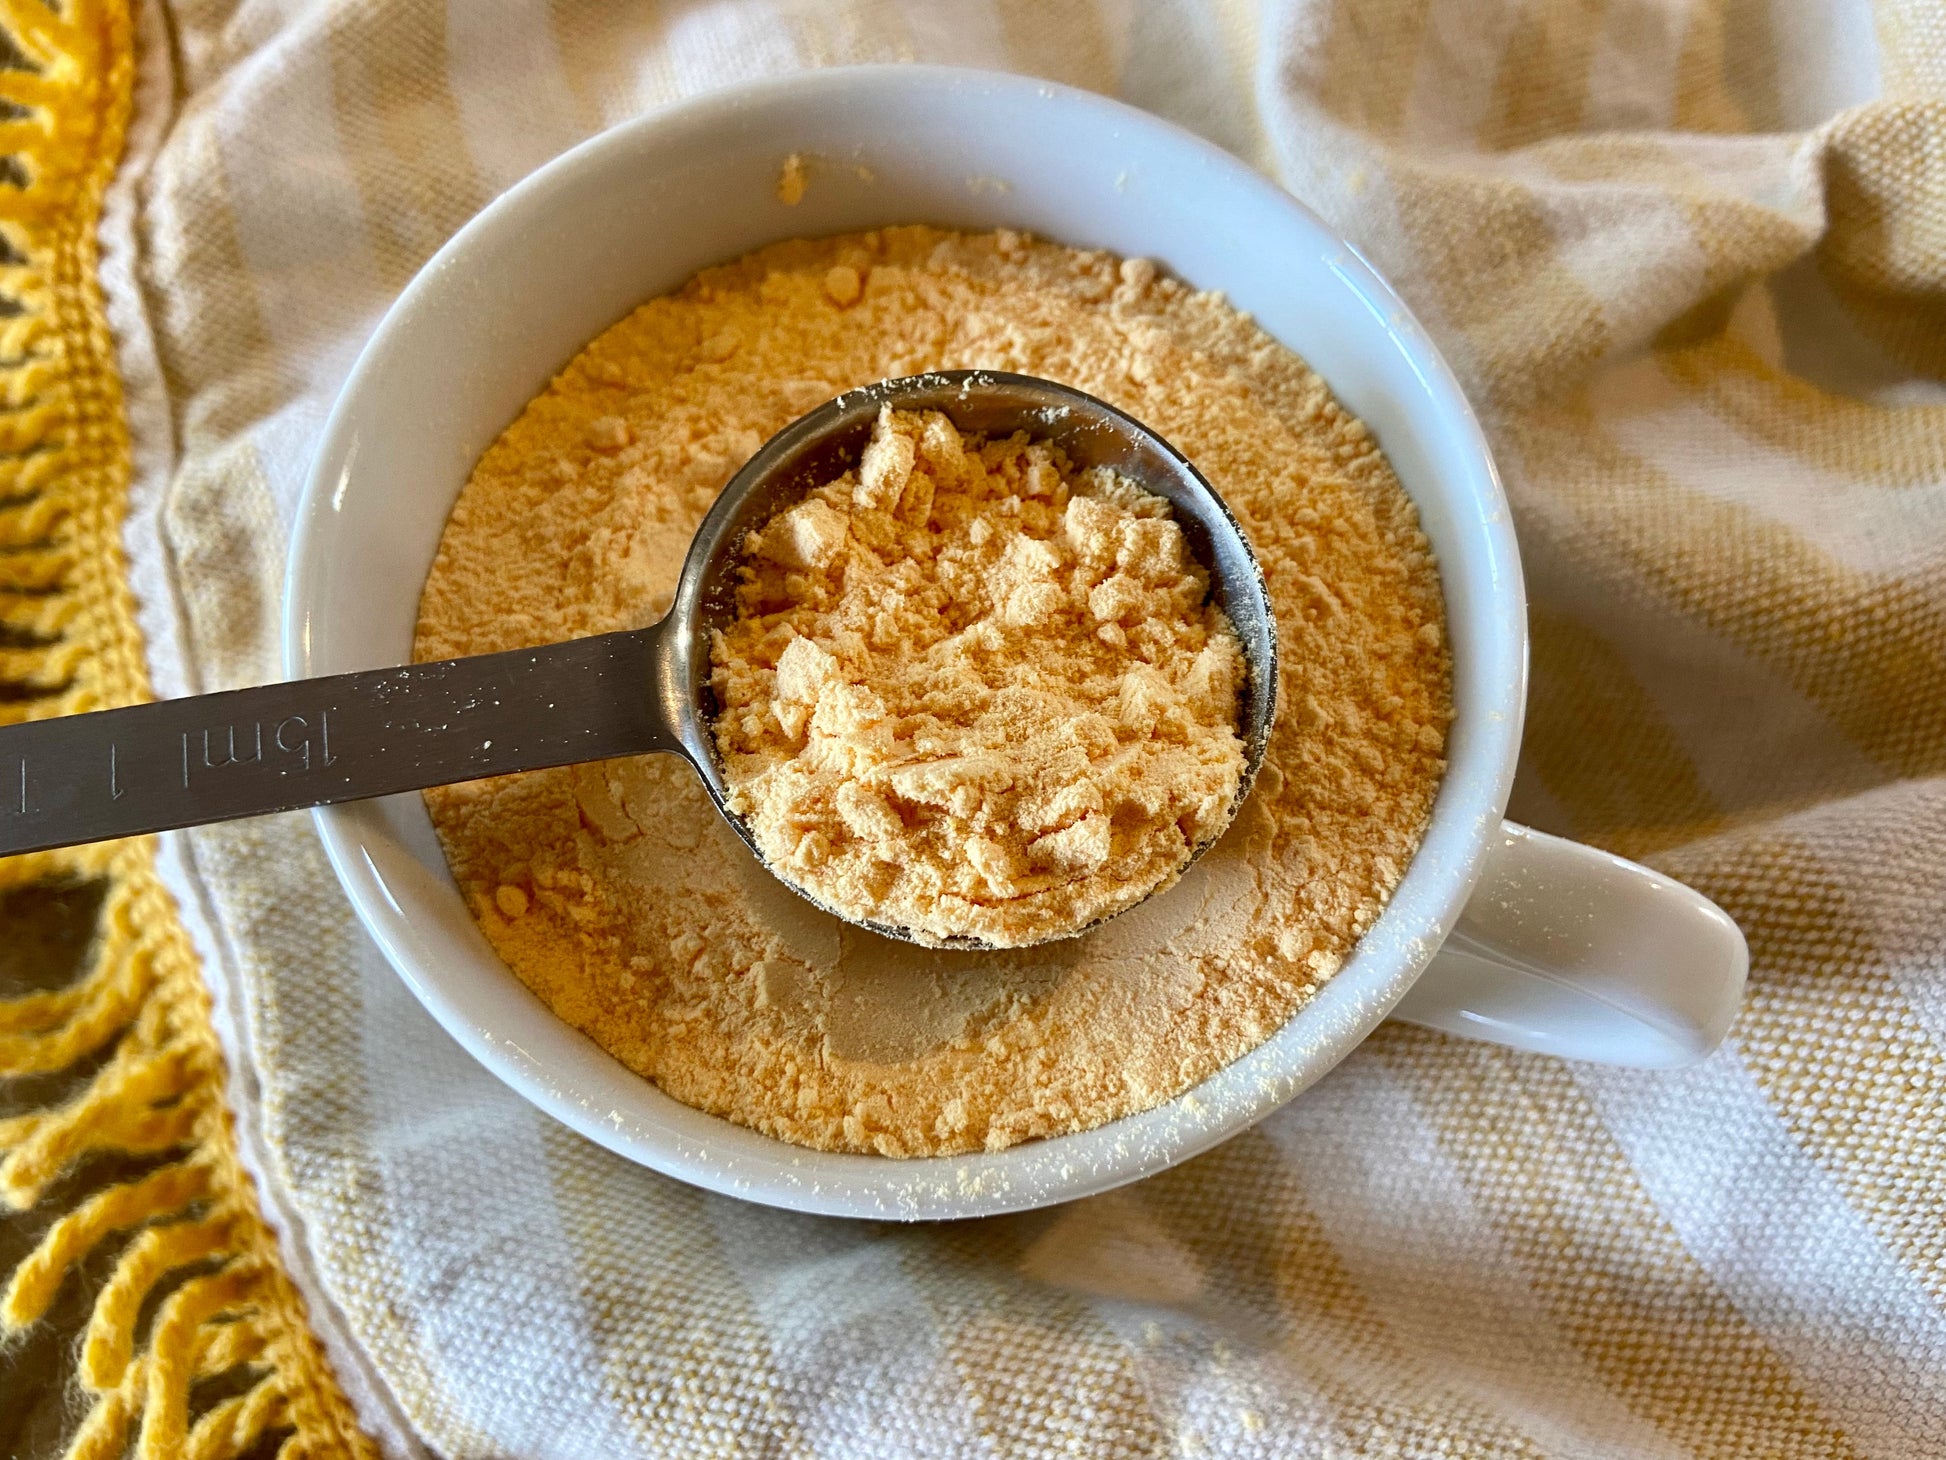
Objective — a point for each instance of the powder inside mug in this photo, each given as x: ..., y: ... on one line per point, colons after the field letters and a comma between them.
x: 971, y: 692
x: 639, y: 917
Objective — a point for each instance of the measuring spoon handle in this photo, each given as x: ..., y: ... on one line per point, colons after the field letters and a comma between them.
x: 314, y: 742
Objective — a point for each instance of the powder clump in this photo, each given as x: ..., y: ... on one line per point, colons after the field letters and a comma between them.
x: 791, y: 181
x: 648, y: 923
x: 972, y: 692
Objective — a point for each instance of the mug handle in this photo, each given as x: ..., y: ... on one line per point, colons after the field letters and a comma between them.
x: 1570, y: 951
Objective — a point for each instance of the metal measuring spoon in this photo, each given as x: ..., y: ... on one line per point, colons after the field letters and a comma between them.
x: 349, y: 737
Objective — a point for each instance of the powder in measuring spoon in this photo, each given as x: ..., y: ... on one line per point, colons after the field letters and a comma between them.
x: 974, y: 692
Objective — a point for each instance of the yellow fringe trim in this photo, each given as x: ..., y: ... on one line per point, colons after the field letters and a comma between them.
x: 191, y: 1224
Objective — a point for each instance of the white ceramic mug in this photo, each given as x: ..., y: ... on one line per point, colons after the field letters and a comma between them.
x: 1495, y: 932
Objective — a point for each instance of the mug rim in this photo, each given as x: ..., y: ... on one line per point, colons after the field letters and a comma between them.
x: 717, y: 1154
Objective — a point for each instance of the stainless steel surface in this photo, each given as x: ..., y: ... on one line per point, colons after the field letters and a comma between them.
x: 349, y: 737
x: 312, y: 742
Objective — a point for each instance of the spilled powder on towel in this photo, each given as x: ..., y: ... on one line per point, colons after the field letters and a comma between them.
x: 621, y: 898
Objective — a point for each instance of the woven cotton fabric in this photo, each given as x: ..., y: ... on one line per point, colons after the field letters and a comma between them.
x: 143, y: 1307
x: 1689, y: 258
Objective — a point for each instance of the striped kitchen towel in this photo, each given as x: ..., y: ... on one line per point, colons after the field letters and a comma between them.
x: 1689, y: 258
